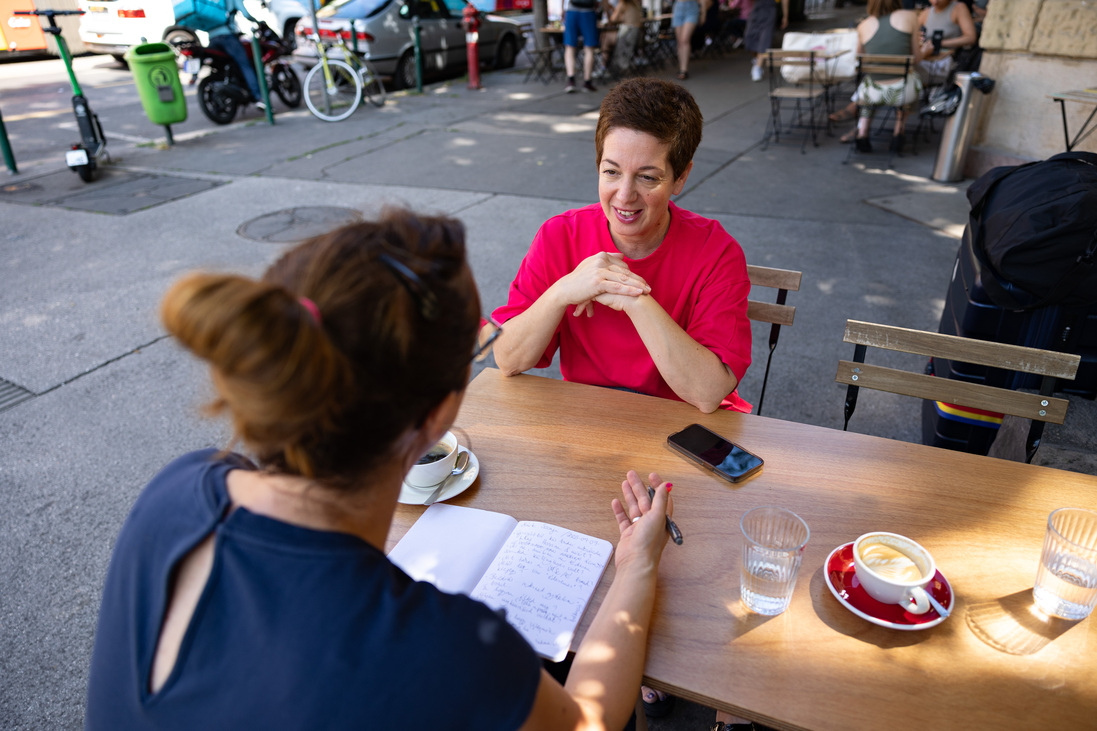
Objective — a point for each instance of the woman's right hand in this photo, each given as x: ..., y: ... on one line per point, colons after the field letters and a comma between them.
x: 602, y: 273
x: 642, y: 520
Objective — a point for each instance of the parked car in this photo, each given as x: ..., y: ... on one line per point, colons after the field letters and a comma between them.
x: 112, y: 26
x: 384, y: 29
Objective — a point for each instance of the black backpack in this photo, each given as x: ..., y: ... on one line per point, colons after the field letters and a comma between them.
x: 1034, y: 227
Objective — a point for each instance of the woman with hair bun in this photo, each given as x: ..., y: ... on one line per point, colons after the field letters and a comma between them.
x: 244, y: 596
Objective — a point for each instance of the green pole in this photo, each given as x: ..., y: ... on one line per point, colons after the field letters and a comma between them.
x: 5, y: 146
x: 418, y: 56
x: 256, y: 54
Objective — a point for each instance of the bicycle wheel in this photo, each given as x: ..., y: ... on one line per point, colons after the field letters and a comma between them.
x: 372, y: 88
x: 335, y: 100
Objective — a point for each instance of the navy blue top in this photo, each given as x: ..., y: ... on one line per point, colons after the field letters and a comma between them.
x: 295, y: 629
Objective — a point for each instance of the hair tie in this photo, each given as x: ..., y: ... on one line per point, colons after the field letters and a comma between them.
x: 312, y: 308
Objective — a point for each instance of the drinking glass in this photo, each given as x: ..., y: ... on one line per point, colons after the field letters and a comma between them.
x: 773, y: 545
x: 1066, y: 582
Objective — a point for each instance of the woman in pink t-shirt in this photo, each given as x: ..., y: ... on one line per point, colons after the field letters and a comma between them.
x: 634, y: 291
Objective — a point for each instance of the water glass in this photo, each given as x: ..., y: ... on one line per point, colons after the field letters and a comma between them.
x: 1066, y: 582
x: 773, y: 546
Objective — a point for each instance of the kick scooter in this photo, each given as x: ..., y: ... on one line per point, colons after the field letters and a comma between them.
x: 83, y: 155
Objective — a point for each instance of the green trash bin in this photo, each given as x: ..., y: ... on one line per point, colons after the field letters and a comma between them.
x: 157, y: 77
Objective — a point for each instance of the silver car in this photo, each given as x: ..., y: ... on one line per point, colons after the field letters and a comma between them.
x: 385, y: 32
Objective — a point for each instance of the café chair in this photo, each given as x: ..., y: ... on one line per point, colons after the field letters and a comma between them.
x: 1040, y: 408
x: 884, y: 67
x: 806, y: 97
x: 775, y: 313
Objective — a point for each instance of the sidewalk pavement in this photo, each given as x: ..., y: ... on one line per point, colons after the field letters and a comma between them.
x: 99, y: 399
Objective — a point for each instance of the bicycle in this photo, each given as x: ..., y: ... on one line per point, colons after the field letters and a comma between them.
x: 82, y: 157
x: 334, y: 88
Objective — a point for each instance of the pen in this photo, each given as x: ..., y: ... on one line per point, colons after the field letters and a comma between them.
x: 675, y: 534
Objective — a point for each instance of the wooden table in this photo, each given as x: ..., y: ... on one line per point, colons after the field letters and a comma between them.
x: 557, y: 452
x: 1085, y: 96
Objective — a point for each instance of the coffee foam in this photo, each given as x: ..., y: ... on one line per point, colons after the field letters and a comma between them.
x: 889, y: 562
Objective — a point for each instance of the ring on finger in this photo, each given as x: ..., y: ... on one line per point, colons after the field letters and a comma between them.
x: 636, y: 519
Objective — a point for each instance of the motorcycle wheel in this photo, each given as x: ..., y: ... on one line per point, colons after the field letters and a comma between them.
x: 284, y: 81
x: 216, y: 103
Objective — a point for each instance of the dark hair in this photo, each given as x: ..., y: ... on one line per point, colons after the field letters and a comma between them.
x: 659, y: 108
x: 328, y: 399
x: 880, y: 8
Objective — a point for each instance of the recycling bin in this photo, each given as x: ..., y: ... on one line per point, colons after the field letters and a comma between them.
x: 960, y: 128
x: 156, y: 74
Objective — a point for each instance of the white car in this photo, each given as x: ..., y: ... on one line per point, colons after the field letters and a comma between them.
x: 113, y: 26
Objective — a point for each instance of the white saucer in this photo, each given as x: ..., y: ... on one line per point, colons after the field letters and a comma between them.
x: 418, y: 495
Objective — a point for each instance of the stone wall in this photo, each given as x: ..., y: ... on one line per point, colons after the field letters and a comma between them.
x: 1031, y: 49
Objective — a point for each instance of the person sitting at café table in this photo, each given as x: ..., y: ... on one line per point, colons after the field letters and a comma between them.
x: 954, y: 21
x: 260, y: 597
x: 635, y: 292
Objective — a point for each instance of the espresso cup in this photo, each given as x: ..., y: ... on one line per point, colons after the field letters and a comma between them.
x: 893, y: 569
x: 436, y: 465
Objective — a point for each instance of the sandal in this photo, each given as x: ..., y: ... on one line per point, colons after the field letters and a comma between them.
x: 682, y: 75
x: 848, y: 136
x: 842, y: 115
x: 659, y: 705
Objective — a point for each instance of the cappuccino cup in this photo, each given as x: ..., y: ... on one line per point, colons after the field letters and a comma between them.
x: 436, y: 464
x: 893, y: 569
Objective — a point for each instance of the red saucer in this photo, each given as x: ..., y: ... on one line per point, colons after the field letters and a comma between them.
x: 844, y: 585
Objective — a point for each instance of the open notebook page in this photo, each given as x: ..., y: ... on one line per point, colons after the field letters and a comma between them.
x: 544, y: 576
x: 452, y: 547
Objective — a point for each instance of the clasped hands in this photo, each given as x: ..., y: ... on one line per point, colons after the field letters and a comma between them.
x: 603, y: 278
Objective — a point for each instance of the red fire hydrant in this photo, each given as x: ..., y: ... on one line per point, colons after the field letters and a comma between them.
x: 471, y: 21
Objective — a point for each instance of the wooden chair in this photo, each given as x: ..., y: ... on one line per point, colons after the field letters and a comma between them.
x: 1040, y: 407
x: 776, y: 314
x: 810, y: 94
x: 883, y: 67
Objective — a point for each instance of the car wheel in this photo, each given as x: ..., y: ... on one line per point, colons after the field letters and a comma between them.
x: 288, y: 38
x: 177, y: 37
x: 405, y: 77
x: 508, y: 52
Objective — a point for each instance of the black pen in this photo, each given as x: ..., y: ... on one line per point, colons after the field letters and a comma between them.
x: 675, y: 534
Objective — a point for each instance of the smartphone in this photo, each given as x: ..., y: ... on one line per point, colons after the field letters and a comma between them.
x: 712, y: 452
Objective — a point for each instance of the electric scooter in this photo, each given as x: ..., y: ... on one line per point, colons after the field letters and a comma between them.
x: 83, y: 156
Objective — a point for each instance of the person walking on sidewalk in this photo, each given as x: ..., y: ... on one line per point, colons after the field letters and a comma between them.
x: 580, y: 20
x: 687, y: 14
x: 759, y: 36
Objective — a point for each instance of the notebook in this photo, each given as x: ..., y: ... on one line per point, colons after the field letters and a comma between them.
x: 542, y: 575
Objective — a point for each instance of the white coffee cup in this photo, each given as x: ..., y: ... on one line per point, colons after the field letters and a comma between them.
x: 894, y: 570
x: 426, y: 473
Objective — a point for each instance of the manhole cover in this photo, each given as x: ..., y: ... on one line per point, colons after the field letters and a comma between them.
x: 297, y: 224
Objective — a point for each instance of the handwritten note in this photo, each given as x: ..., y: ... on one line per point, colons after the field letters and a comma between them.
x: 544, y: 577
x: 541, y: 574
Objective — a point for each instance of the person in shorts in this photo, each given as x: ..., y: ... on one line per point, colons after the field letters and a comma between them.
x: 687, y: 14
x: 580, y: 20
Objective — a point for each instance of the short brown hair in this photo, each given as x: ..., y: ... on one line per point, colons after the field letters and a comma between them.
x: 327, y: 399
x: 664, y: 110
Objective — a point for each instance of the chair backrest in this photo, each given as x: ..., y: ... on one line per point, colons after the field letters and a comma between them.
x: 775, y: 313
x: 1038, y: 407
x: 883, y: 65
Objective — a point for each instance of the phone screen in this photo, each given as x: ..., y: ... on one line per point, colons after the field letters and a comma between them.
x: 730, y: 461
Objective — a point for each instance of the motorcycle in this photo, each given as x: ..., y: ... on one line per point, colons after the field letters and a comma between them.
x: 223, y: 91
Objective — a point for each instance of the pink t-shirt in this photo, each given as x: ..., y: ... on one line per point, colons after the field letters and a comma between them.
x: 698, y: 275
